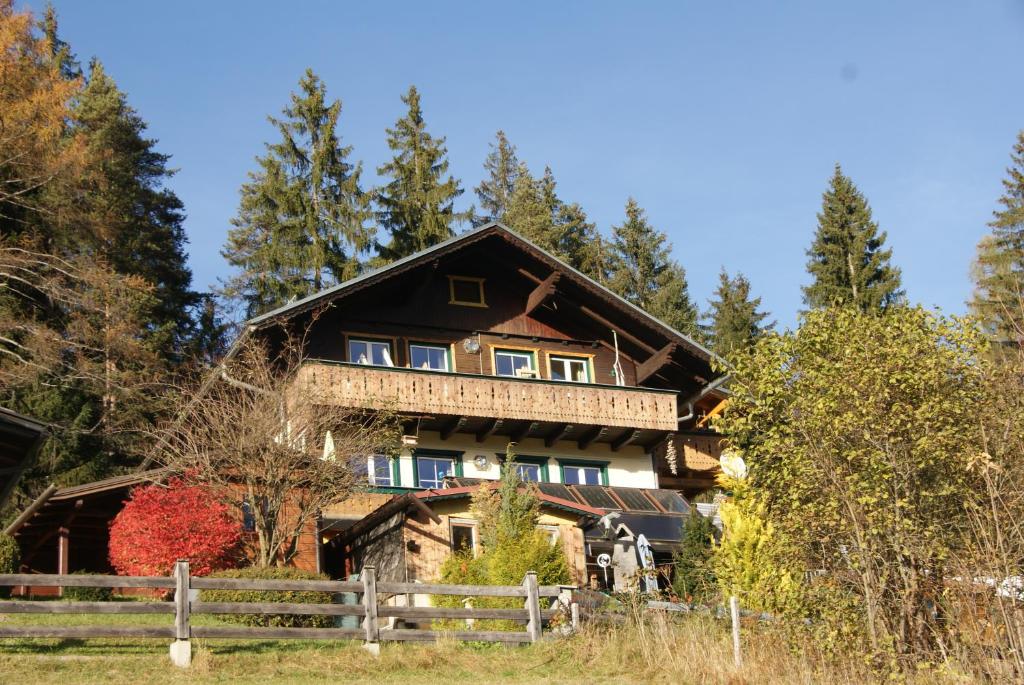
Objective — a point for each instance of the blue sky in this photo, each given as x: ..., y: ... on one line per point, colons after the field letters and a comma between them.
x: 723, y: 119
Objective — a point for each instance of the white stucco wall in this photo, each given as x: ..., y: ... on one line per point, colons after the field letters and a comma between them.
x: 630, y: 467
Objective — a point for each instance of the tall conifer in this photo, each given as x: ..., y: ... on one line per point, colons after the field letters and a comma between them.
x: 132, y: 220
x: 495, y: 191
x: 847, y: 259
x: 303, y: 220
x: 998, y: 270
x: 417, y: 205
x: 735, y: 319
x: 643, y: 272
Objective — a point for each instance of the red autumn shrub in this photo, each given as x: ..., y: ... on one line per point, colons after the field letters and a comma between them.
x: 162, y: 524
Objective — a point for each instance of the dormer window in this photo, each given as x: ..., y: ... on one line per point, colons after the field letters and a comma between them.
x: 466, y: 291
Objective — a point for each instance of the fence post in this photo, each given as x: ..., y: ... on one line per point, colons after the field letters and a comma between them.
x: 181, y: 648
x: 369, y: 576
x: 734, y: 612
x: 574, y: 616
x: 533, y: 627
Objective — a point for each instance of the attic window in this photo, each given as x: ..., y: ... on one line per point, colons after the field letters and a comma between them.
x: 466, y: 291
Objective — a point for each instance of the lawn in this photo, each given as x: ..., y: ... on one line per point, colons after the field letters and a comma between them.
x: 660, y: 649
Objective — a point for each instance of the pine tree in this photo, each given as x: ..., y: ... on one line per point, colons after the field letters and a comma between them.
x: 302, y: 222
x: 417, y: 205
x: 132, y: 220
x: 537, y: 213
x: 847, y: 259
x: 495, y: 191
x: 642, y: 272
x: 736, y: 321
x: 998, y: 270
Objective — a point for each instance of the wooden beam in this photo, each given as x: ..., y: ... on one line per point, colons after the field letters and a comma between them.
x: 32, y: 509
x: 544, y: 290
x: 455, y: 425
x: 19, y: 470
x: 655, y: 363
x: 523, y: 431
x: 624, y: 439
x: 62, y: 545
x: 560, y: 431
x: 597, y: 317
x: 596, y: 433
x: 420, y: 506
x: 489, y: 428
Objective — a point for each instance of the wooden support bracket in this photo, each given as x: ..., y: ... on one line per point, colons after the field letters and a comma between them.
x: 489, y: 428
x: 655, y: 363
x: 560, y: 431
x: 596, y: 433
x: 455, y: 425
x: 624, y: 439
x: 544, y: 290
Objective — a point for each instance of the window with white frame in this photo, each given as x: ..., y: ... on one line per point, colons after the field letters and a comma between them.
x: 375, y: 469
x: 374, y: 352
x: 464, y: 535
x: 551, y: 532
x: 573, y: 474
x: 431, y: 471
x: 530, y: 473
x: 434, y: 357
x: 574, y: 369
x: 514, y: 363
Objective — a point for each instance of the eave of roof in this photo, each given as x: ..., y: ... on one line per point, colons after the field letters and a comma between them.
x: 468, y: 490
x: 22, y: 421
x: 470, y: 237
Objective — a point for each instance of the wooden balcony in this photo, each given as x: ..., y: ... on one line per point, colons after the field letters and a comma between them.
x: 488, y: 405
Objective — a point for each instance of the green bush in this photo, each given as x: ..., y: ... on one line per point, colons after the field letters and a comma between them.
x: 10, y: 560
x: 88, y: 594
x: 276, y: 620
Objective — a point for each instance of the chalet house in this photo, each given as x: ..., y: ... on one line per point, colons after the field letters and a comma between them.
x: 479, y: 341
x: 483, y: 340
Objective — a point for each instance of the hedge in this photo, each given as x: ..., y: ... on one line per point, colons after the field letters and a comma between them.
x: 276, y: 620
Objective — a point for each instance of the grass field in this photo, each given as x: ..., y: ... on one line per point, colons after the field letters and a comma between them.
x: 692, y: 650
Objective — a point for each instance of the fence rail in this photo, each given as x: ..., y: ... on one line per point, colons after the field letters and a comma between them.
x: 370, y: 610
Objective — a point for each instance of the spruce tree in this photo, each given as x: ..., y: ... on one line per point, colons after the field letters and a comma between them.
x: 417, y: 205
x: 998, y: 270
x: 131, y: 219
x: 303, y: 220
x: 537, y: 213
x: 736, y: 321
x: 847, y: 259
x: 495, y: 191
x: 643, y: 272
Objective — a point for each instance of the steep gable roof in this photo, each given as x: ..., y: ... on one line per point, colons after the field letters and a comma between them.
x: 459, y: 242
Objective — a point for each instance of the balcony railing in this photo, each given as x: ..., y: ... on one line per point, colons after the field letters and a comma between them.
x: 456, y: 394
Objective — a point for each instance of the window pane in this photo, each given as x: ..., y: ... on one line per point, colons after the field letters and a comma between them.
x: 357, y: 352
x: 507, y: 363
x: 432, y: 470
x: 558, y: 369
x: 567, y: 369
x: 427, y: 357
x: 582, y: 475
x: 381, y: 353
x: 578, y: 371
x: 462, y: 537
x: 381, y: 470
x: 529, y: 472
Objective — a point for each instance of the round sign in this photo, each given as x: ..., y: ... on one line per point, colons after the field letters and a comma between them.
x: 604, y: 560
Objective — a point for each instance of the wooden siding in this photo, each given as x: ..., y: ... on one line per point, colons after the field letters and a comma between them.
x: 414, y: 390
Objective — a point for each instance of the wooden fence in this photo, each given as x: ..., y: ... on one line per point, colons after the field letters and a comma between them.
x: 370, y: 610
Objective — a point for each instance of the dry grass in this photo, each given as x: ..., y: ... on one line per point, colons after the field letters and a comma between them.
x: 661, y: 650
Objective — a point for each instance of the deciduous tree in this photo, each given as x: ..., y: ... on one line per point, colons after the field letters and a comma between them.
x: 161, y: 524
